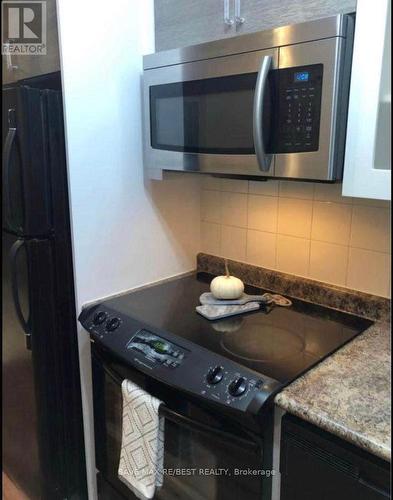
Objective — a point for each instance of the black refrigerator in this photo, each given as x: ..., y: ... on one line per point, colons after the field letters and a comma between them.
x: 42, y: 427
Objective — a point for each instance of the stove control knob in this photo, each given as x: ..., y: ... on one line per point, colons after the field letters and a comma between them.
x: 99, y: 318
x: 215, y: 375
x: 238, y: 387
x: 112, y: 324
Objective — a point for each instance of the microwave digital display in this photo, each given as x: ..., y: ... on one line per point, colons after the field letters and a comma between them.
x: 302, y: 76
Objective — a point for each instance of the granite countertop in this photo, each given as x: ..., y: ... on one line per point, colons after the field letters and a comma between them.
x: 348, y: 394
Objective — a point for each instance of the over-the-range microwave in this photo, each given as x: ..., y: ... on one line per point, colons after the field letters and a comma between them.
x: 267, y: 104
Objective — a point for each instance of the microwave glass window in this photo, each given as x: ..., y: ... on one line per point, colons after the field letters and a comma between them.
x: 204, y: 116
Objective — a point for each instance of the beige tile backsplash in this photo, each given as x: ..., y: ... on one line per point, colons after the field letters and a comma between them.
x: 294, y: 217
x: 262, y: 213
x: 331, y: 222
x: 307, y: 229
x: 234, y: 242
x: 261, y: 248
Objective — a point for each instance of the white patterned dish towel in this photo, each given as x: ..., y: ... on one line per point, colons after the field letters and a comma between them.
x: 142, y: 444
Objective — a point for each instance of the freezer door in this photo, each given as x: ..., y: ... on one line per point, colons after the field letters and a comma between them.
x: 26, y: 175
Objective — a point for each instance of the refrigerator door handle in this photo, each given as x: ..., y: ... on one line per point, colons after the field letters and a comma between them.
x: 14, y: 252
x: 8, y: 145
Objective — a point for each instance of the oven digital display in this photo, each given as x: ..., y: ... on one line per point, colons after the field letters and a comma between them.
x: 301, y: 76
x: 156, y: 349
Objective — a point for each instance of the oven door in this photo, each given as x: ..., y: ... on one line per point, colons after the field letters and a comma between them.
x: 203, y: 116
x: 206, y: 457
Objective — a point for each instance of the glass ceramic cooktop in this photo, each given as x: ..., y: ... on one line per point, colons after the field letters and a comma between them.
x: 281, y: 342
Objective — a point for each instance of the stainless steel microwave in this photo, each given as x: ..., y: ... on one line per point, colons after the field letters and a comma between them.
x: 266, y: 104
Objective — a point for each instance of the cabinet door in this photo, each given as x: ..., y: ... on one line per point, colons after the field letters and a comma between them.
x: 266, y: 14
x: 367, y: 169
x: 179, y: 23
x: 310, y: 473
x: 317, y: 465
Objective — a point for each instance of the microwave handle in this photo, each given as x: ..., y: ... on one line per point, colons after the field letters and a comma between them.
x: 263, y: 159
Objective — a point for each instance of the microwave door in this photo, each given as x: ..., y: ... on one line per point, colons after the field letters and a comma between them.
x: 200, y: 116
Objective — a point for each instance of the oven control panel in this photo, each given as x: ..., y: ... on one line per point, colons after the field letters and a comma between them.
x: 157, y: 349
x: 178, y: 362
x: 223, y: 383
x: 299, y: 92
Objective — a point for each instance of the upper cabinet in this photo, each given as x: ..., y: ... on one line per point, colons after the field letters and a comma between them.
x: 367, y: 170
x: 179, y: 23
x: 187, y: 22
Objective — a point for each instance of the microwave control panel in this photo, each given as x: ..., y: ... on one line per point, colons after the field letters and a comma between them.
x: 299, y: 92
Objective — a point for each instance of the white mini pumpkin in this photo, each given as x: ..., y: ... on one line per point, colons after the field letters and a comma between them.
x: 227, y: 287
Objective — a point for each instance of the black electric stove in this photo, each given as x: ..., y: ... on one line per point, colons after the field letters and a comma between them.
x: 235, y: 361
x: 215, y: 379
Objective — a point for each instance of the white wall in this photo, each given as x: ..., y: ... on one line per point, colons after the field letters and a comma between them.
x: 126, y: 231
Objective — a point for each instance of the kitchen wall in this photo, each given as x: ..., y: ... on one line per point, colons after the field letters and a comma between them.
x: 127, y: 231
x: 306, y: 229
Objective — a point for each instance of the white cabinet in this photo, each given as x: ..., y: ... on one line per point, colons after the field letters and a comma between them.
x: 367, y: 169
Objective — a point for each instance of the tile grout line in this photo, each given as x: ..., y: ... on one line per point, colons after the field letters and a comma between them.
x: 246, y: 249
x: 330, y: 242
x: 276, y: 236
x: 323, y: 200
x: 349, y: 246
x: 311, y: 226
x: 220, y: 246
x: 327, y: 242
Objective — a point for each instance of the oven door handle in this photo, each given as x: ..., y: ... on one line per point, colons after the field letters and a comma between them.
x: 177, y: 418
x: 264, y: 159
